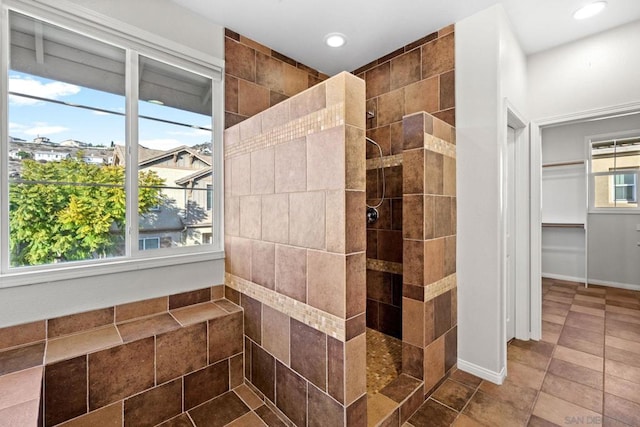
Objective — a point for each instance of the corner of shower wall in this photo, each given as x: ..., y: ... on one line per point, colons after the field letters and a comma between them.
x: 295, y: 243
x: 429, y: 348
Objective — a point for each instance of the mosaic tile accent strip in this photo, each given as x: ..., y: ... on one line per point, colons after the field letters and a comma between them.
x: 439, y: 146
x: 384, y: 266
x: 440, y: 287
x: 317, y: 121
x: 310, y: 316
x: 387, y: 162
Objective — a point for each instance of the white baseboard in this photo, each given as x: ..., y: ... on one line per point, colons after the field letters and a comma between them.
x: 563, y: 277
x: 614, y: 284
x: 592, y: 281
x: 479, y: 371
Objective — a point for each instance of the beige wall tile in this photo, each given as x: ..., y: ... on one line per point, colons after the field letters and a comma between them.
x: 355, y: 368
x: 238, y: 257
x: 275, y: 333
x: 355, y: 149
x: 326, y: 282
x: 307, y: 220
x: 295, y: 80
x: 263, y: 265
x: 326, y: 159
x: 356, y: 231
x: 275, y: 116
x: 231, y: 216
x: 251, y: 127
x: 141, y: 308
x: 433, y: 260
x: 291, y: 272
x: 336, y: 221
x: 422, y: 96
x: 262, y: 171
x: 413, y: 322
x: 241, y: 175
x: 250, y: 217
x: 355, y: 101
x: 433, y: 363
x: 308, y: 101
x: 275, y: 218
x: 449, y: 176
x: 291, y: 166
x: 356, y: 284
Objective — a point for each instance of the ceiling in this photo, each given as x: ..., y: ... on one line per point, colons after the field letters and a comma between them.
x: 296, y: 28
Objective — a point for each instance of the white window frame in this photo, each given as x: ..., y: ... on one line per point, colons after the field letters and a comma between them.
x: 634, y: 174
x: 611, y: 174
x: 135, y: 42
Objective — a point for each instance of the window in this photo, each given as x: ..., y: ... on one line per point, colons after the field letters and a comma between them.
x: 625, y: 187
x: 615, y: 165
x: 111, y: 139
x: 148, y: 243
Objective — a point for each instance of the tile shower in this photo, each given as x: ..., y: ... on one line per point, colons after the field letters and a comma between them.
x: 301, y: 264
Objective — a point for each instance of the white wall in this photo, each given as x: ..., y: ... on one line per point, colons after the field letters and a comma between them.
x: 490, y: 67
x: 164, y: 18
x: 613, y: 252
x: 26, y: 303
x: 590, y: 74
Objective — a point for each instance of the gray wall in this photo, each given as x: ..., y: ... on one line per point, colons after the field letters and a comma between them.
x: 613, y: 253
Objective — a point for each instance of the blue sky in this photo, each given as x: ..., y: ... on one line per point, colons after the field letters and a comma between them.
x: 29, y: 118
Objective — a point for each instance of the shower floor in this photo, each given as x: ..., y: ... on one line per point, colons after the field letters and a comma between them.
x: 384, y: 360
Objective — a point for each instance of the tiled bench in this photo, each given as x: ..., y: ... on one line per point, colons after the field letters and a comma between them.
x: 135, y: 364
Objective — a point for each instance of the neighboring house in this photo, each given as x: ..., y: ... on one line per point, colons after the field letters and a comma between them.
x: 13, y: 139
x: 43, y: 140
x: 50, y: 156
x: 93, y: 160
x: 619, y: 189
x: 73, y: 143
x: 184, y: 217
x: 13, y: 154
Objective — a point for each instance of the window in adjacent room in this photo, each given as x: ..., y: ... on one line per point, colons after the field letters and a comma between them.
x: 615, y: 166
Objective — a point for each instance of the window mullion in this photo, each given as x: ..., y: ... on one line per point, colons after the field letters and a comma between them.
x: 131, y: 142
x: 4, y: 140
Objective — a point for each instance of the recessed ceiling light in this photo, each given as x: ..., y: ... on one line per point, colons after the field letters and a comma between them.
x: 589, y: 10
x: 155, y: 101
x: 335, y: 39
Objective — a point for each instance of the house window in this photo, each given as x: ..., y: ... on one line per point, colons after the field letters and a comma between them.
x: 142, y: 116
x: 615, y: 165
x: 148, y: 243
x: 625, y: 187
x: 209, y: 197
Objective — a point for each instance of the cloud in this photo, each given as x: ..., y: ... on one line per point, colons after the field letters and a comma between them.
x: 31, y: 86
x: 16, y: 127
x: 191, y: 133
x: 164, y: 144
x: 43, y: 129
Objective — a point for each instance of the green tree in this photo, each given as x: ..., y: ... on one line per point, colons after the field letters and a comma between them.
x: 70, y: 210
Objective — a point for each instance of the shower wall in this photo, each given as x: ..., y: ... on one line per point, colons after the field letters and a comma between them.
x: 295, y: 251
x: 417, y: 77
x: 257, y: 77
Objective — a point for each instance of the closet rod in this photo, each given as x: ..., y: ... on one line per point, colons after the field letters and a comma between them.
x: 576, y: 162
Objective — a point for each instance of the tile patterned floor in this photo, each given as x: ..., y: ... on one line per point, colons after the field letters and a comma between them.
x: 384, y: 360
x: 584, y: 372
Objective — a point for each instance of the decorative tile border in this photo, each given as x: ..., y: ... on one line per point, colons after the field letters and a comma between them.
x: 387, y: 162
x: 440, y: 146
x: 310, y: 316
x: 317, y: 121
x: 440, y: 287
x: 384, y: 266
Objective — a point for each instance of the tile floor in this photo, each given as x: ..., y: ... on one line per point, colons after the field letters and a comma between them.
x: 585, y: 371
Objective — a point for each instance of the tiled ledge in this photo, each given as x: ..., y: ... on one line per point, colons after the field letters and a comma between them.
x: 69, y: 346
x: 26, y: 352
x: 396, y: 402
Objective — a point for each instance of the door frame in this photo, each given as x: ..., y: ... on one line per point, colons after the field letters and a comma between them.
x: 535, y: 128
x: 514, y: 119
